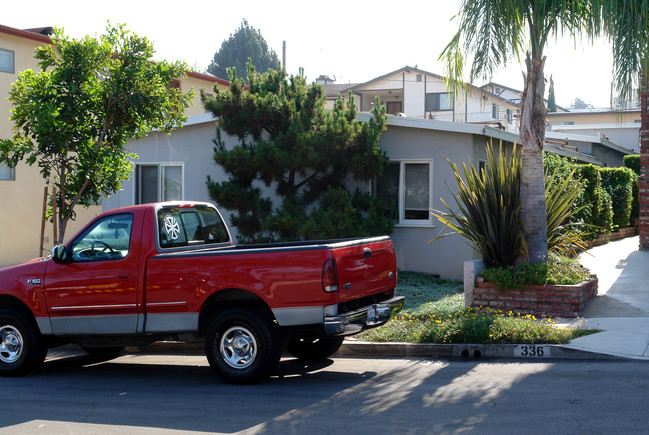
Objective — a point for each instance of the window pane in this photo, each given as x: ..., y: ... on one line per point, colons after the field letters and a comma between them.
x: 495, y: 111
x: 147, y: 184
x: 192, y: 226
x: 387, y: 189
x: 213, y: 226
x: 6, y: 173
x: 416, y: 191
x: 439, y: 101
x: 108, y: 239
x: 445, y: 101
x: 7, y: 61
x: 172, y: 183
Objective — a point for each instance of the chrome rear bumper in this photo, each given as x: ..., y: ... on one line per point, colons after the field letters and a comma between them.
x: 371, y: 316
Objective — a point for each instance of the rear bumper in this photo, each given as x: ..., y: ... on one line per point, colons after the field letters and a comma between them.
x: 367, y: 317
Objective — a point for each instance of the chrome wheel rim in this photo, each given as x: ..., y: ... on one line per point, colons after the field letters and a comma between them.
x: 238, y: 347
x: 11, y: 347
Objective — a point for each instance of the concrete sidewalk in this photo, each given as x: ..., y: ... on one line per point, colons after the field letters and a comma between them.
x: 621, y: 308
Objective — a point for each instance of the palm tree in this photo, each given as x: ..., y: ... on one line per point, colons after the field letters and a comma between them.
x: 494, y: 31
x: 627, y: 26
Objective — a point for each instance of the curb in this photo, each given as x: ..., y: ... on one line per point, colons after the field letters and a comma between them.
x: 352, y: 348
x: 473, y: 351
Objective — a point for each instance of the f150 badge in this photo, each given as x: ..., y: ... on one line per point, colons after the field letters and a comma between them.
x: 34, y: 281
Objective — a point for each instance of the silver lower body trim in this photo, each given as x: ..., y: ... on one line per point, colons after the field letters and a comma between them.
x: 299, y: 316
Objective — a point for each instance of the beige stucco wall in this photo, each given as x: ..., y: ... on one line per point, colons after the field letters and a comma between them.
x: 198, y: 83
x: 611, y: 117
x: 22, y: 198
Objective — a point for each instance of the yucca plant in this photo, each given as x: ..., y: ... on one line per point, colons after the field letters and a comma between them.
x: 489, y: 207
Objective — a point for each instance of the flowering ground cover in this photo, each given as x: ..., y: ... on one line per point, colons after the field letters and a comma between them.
x: 434, y: 313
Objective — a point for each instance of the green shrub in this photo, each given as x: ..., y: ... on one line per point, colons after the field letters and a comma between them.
x: 632, y: 162
x: 591, y: 197
x: 618, y: 182
x: 557, y: 270
x: 604, y: 220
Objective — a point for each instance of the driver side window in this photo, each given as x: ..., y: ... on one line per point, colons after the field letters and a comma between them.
x: 108, y: 239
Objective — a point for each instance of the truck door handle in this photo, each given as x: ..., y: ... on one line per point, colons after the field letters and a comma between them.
x: 124, y: 277
x: 367, y: 253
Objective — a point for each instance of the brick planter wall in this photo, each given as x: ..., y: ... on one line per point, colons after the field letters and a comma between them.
x: 603, y: 239
x: 537, y: 300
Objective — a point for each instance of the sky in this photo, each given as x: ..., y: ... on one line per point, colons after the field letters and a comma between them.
x: 353, y: 41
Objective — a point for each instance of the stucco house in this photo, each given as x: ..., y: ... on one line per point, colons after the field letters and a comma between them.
x: 416, y: 179
x: 415, y: 93
x: 619, y: 126
x: 22, y: 188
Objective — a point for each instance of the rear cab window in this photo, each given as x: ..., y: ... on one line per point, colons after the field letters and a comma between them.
x: 190, y: 226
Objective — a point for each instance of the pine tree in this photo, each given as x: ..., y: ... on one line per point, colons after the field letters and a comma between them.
x: 289, y: 142
x: 246, y: 43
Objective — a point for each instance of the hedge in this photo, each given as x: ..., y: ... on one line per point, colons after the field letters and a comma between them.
x: 618, y: 182
x: 608, y: 193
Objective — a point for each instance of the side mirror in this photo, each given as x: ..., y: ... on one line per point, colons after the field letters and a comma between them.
x: 60, y: 254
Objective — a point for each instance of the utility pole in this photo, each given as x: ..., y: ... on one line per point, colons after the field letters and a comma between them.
x: 284, y: 55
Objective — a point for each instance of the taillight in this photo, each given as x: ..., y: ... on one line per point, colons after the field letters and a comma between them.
x: 330, y: 276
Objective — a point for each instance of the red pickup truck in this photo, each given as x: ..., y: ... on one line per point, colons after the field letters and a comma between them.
x: 169, y: 271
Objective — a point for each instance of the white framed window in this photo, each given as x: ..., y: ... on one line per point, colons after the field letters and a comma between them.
x: 495, y: 111
x: 439, y: 101
x: 7, y: 172
x: 7, y: 61
x: 406, y: 186
x: 156, y: 182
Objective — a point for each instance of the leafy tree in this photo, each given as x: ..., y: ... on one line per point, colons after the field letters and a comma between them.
x: 246, y: 43
x: 496, y: 30
x: 289, y: 142
x: 552, y: 102
x: 74, y: 116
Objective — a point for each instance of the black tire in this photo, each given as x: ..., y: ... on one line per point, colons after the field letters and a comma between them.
x: 313, y: 349
x: 103, y: 352
x: 22, y: 348
x: 243, y: 346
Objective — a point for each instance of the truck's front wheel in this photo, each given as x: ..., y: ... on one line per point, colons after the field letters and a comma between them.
x: 242, y: 346
x: 22, y: 349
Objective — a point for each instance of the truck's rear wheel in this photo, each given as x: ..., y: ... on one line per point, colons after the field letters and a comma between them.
x: 22, y: 349
x: 242, y: 346
x: 313, y: 349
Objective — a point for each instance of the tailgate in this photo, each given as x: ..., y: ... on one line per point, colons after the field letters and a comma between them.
x: 365, y: 267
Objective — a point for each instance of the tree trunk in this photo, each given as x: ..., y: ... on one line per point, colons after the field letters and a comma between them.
x: 532, y: 190
x: 643, y: 180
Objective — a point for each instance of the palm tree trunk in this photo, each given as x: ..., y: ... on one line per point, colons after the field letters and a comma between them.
x: 643, y: 180
x: 532, y: 191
